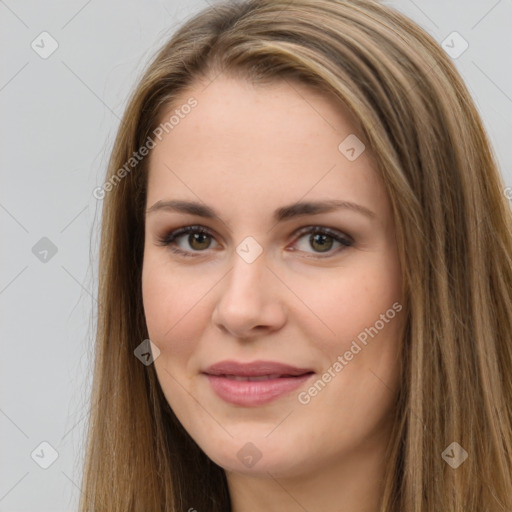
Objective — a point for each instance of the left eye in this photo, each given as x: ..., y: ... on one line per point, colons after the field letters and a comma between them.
x: 198, y: 238
x: 321, y: 239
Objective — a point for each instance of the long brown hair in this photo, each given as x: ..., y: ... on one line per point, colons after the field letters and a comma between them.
x: 454, y: 231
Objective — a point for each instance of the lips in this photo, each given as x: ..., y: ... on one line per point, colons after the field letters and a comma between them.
x: 255, y: 383
x: 255, y: 369
x: 241, y: 378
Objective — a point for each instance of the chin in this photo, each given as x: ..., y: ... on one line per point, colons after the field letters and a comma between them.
x: 257, y: 456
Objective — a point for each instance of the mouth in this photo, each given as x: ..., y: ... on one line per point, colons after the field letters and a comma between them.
x: 255, y: 383
x: 258, y: 378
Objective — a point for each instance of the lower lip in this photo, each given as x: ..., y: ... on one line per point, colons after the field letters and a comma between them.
x: 253, y: 393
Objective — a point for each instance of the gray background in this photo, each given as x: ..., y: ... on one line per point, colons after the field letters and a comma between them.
x: 59, y: 118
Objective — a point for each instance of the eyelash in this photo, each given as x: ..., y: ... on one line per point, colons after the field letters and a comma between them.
x: 170, y: 238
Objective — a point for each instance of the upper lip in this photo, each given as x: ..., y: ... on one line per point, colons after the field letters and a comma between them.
x: 255, y: 369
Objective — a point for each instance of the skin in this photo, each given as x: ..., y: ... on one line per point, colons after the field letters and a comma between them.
x: 246, y: 151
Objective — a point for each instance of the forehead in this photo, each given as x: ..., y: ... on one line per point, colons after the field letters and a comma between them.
x: 275, y: 141
x: 228, y: 107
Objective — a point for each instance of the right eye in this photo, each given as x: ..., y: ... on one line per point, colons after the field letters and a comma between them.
x: 198, y: 239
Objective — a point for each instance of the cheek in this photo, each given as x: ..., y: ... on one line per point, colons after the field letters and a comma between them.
x: 175, y: 306
x: 351, y: 300
x: 160, y: 289
x: 175, y: 317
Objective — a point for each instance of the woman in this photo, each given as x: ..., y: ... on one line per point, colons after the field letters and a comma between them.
x: 303, y: 214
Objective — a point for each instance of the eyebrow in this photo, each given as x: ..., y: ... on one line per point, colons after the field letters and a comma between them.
x: 281, y: 214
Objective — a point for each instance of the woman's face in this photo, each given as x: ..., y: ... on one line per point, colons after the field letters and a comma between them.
x: 280, y: 271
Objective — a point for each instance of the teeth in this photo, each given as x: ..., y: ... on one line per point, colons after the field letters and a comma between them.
x: 252, y: 379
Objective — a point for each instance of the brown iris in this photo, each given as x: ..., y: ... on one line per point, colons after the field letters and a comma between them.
x: 321, y: 242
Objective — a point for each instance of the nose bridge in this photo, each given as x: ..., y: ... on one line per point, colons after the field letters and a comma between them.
x: 246, y: 277
x: 246, y: 300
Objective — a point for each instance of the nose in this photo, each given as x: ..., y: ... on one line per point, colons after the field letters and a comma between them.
x: 249, y: 302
